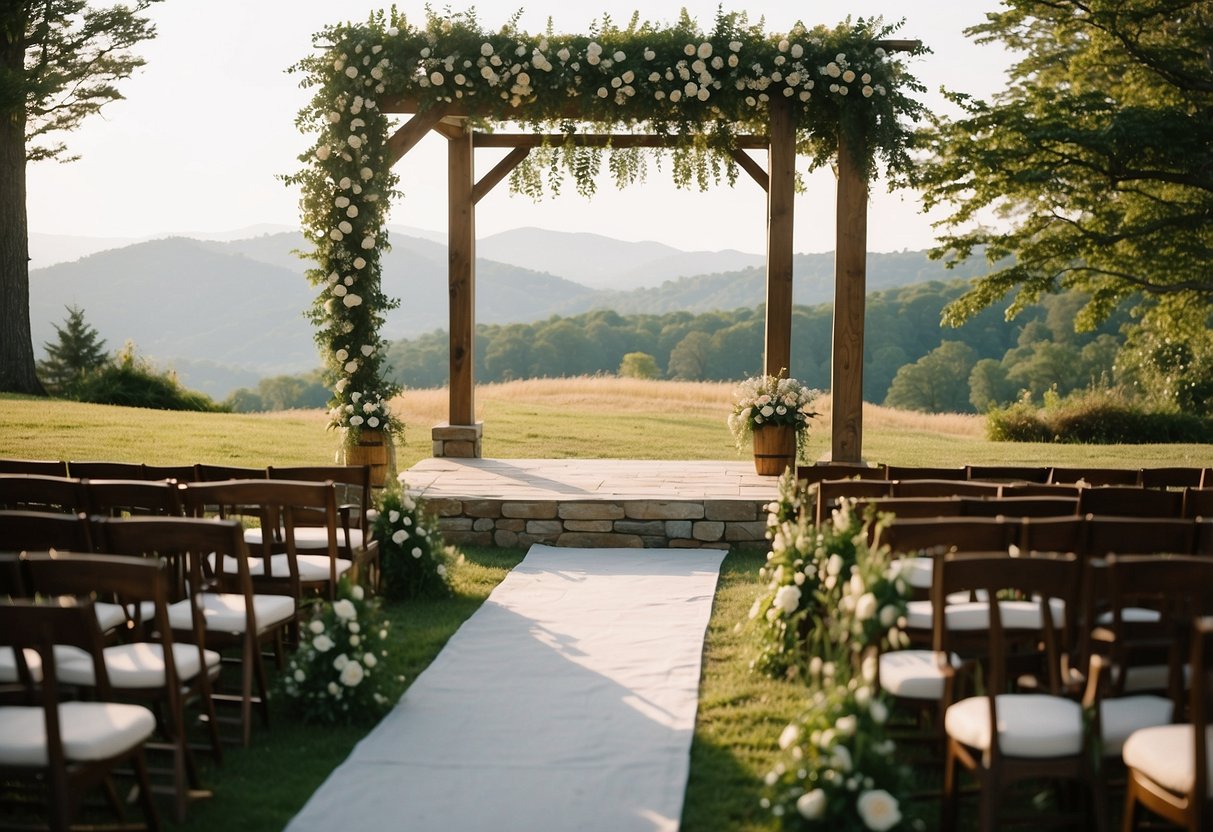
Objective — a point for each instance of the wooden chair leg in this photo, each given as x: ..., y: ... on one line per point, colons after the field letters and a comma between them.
x: 951, y: 794
x: 150, y: 815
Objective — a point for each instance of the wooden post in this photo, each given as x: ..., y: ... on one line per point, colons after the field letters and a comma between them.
x: 780, y: 194
x: 461, y: 276
x: 850, y: 285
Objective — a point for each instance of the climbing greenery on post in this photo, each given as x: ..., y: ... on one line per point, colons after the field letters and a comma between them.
x: 699, y: 89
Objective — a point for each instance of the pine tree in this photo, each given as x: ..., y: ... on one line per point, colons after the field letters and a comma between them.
x: 78, y: 351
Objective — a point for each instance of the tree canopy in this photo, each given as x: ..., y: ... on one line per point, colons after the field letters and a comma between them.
x: 1096, y: 160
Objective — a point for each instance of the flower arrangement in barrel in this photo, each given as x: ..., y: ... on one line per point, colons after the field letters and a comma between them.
x: 772, y: 400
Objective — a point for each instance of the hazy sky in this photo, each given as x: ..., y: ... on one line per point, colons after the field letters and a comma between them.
x: 208, y: 125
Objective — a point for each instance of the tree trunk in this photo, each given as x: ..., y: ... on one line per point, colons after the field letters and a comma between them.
x: 16, y: 346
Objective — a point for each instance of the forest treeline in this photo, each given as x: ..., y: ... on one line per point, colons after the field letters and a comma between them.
x: 910, y: 361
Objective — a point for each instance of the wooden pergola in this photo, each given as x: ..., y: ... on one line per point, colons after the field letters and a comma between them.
x: 461, y: 435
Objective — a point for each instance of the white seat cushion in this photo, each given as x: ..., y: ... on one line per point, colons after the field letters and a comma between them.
x: 1131, y: 615
x: 311, y: 567
x: 1029, y: 724
x: 1121, y: 716
x: 90, y: 731
x: 311, y: 537
x: 109, y: 615
x: 8, y: 661
x: 1167, y: 755
x: 975, y: 615
x: 918, y: 571
x: 138, y: 665
x: 225, y: 612
x: 913, y: 674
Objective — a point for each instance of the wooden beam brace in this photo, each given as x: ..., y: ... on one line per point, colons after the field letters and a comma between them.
x: 500, y: 171
x: 411, y: 132
x: 599, y: 140
x: 747, y: 163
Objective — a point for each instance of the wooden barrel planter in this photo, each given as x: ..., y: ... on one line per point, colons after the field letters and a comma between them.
x: 774, y: 449
x: 373, y: 448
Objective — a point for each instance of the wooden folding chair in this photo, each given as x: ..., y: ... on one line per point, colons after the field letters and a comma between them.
x: 234, y: 616
x: 71, y: 747
x: 115, y: 498
x: 42, y: 467
x: 281, y: 508
x: 1006, y: 734
x: 34, y: 530
x: 906, y: 507
x: 830, y: 492
x: 1094, y: 476
x: 146, y: 665
x: 180, y: 473
x: 944, y: 488
x: 105, y: 470
x: 354, y: 505
x: 205, y: 472
x: 1198, y: 502
x: 35, y: 492
x: 1178, y: 477
x: 1136, y: 618
x: 1007, y: 473
x: 1169, y: 764
x: 837, y: 471
x: 1130, y: 501
x: 1020, y: 506
x: 1139, y: 536
x: 914, y: 472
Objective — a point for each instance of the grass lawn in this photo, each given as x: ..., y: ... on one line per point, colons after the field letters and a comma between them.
x: 740, y: 714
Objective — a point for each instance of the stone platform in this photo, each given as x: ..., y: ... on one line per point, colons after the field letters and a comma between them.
x: 596, y: 502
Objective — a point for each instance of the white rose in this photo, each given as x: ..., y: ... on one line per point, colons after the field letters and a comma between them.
x: 299, y: 675
x: 354, y: 142
x: 399, y: 536
x: 345, y: 610
x: 351, y: 674
x: 322, y: 152
x: 351, y: 367
x: 416, y: 553
x: 865, y: 607
x: 368, y: 242
x: 812, y: 805
x: 393, y: 516
x: 879, y: 810
x: 846, y: 725
x: 322, y: 643
x: 563, y: 54
x: 317, y: 626
x: 787, y: 599
x: 789, y: 736
x: 352, y: 301
x: 359, y: 593
x: 333, y: 689
x: 369, y: 660
x: 373, y: 422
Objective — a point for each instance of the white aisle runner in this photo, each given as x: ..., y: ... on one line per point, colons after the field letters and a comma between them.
x: 566, y: 702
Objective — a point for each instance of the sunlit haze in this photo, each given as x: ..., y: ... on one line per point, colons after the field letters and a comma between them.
x: 208, y: 125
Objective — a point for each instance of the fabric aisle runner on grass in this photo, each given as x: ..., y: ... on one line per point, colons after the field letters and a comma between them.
x: 566, y: 702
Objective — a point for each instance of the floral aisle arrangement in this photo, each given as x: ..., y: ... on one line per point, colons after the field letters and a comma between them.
x: 336, y: 675
x: 829, y: 601
x: 701, y: 88
x: 414, y: 560
x: 814, y: 573
x: 772, y: 400
x: 837, y: 771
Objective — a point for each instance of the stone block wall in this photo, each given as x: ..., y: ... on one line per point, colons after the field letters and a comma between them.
x: 719, y: 524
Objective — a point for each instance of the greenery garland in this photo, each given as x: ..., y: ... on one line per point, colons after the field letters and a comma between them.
x: 700, y: 89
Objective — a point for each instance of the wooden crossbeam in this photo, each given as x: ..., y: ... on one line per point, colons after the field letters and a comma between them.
x: 622, y: 140
x: 500, y: 171
x: 411, y: 132
x: 747, y: 163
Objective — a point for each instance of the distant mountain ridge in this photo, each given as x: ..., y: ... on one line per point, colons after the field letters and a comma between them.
x: 227, y: 311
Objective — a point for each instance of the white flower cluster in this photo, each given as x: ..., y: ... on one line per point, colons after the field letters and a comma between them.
x: 340, y: 652
x: 361, y: 410
x: 770, y: 400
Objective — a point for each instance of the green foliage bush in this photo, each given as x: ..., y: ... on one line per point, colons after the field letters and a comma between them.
x: 132, y: 381
x: 1096, y: 417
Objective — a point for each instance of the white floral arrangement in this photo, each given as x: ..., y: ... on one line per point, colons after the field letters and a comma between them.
x: 824, y: 585
x: 414, y: 560
x: 771, y: 400
x: 338, y: 675
x: 838, y: 771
